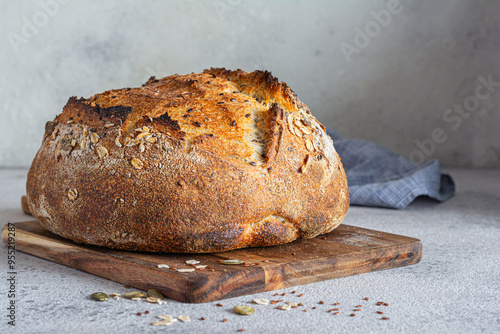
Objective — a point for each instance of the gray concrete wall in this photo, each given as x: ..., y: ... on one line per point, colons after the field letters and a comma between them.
x: 412, y: 76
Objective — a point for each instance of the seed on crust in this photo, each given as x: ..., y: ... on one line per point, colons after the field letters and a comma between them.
x: 142, y: 148
x: 309, y: 145
x: 137, y: 163
x: 151, y: 139
x: 94, y: 137
x: 102, y: 151
x: 72, y: 194
x: 303, y: 168
x: 117, y: 142
x: 108, y: 125
x: 142, y: 135
x: 82, y: 143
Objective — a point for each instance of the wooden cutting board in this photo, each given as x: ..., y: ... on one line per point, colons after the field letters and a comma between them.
x: 348, y: 250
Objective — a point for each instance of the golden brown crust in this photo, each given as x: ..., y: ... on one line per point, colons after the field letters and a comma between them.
x: 188, y: 163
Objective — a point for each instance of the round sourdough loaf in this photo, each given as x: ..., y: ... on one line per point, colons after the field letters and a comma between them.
x: 188, y: 163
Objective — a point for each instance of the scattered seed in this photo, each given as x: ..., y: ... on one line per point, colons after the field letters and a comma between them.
x: 139, y: 313
x: 358, y: 305
x: 300, y: 295
x: 380, y: 312
x: 192, y: 262
x: 293, y: 291
x: 379, y: 303
x: 165, y: 317
x: 357, y: 309
x: 232, y: 262
x: 162, y: 323
x: 173, y: 268
x: 146, y: 312
x: 197, y: 124
x: 100, y: 296
x: 163, y: 266
x: 285, y: 307
x: 300, y: 304
x: 321, y: 302
x: 352, y: 315
x: 314, y: 308
x: 202, y: 318
x: 224, y: 320
x: 152, y: 300
x: 241, y: 330
x: 385, y: 304
x: 116, y: 296
x: 185, y: 270
x: 335, y: 313
x: 184, y: 318
x: 244, y: 309
x: 283, y: 294
x: 336, y: 303
x: 323, y: 238
x: 134, y: 294
x: 306, y: 310
x: 385, y: 318
x: 366, y: 298
x: 233, y: 123
x: 261, y: 301
x: 219, y: 304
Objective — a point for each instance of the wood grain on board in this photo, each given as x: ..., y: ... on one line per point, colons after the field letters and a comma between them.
x: 348, y: 250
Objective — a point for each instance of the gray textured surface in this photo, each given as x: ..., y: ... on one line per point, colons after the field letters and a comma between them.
x: 395, y: 90
x: 455, y: 289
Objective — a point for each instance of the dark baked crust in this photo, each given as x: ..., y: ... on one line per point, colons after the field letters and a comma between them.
x: 188, y: 163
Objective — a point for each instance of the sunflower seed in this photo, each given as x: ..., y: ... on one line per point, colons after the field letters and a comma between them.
x: 134, y: 294
x: 100, y: 296
x: 137, y: 163
x: 232, y: 262
x: 117, y: 142
x: 162, y: 323
x: 200, y: 266
x: 154, y: 294
x: 192, y: 262
x: 286, y: 307
x: 244, y: 309
x: 186, y: 270
x: 72, y: 194
x: 261, y: 301
x: 163, y: 266
x: 165, y: 317
x: 101, y: 151
x: 94, y: 137
x: 184, y: 318
x: 309, y: 145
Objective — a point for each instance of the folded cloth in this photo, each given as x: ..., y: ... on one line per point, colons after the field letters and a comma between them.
x: 379, y: 177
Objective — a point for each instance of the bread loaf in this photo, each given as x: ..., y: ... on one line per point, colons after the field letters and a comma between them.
x: 189, y: 163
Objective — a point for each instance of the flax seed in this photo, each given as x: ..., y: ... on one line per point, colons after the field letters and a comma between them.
x: 380, y: 312
x: 366, y: 298
x: 336, y: 303
x: 224, y: 320
x: 357, y: 309
x: 321, y: 302
x: 336, y: 313
x: 202, y: 318
x: 218, y: 304
x: 358, y: 306
x: 385, y: 304
x: 385, y: 318
x: 139, y: 313
x: 353, y: 315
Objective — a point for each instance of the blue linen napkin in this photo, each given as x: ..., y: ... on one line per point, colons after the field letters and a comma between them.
x: 379, y: 177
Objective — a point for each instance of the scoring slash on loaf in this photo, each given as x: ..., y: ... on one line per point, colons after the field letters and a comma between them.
x: 189, y: 163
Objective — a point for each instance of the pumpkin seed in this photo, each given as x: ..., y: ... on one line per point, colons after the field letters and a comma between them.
x: 155, y: 294
x: 101, y: 296
x: 134, y: 294
x: 244, y: 309
x: 232, y: 262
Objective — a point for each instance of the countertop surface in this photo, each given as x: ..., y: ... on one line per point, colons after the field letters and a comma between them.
x: 454, y: 289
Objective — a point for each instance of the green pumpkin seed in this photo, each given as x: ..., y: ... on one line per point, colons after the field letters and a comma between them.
x: 244, y: 309
x: 101, y: 296
x: 134, y: 294
x: 155, y: 294
x: 232, y: 262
